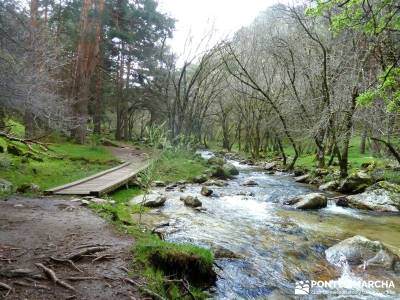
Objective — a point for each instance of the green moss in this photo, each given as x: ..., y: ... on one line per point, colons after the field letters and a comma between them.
x: 16, y: 128
x: 179, y: 165
x: 123, y: 195
x: 52, y: 172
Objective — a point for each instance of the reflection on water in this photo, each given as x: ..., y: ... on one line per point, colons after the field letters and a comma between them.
x: 278, y: 246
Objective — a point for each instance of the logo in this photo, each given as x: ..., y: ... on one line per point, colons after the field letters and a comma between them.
x: 302, y: 287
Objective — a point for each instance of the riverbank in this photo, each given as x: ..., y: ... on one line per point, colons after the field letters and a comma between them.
x: 262, y: 246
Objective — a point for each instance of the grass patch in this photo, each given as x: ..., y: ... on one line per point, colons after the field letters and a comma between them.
x: 123, y: 195
x: 52, y: 172
x: 175, y: 165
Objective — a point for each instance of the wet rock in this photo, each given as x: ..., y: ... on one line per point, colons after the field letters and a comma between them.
x: 355, y: 183
x: 5, y: 186
x: 215, y: 182
x: 309, y: 201
x: 159, y: 183
x: 200, y: 209
x: 230, y: 169
x: 270, y: 166
x: 200, y: 179
x: 303, y: 179
x: 150, y: 200
x: 171, y: 187
x: 222, y: 252
x: 205, y: 191
x: 359, y: 250
x: 28, y: 188
x: 215, y: 160
x: 244, y: 193
x: 329, y: 186
x: 191, y: 201
x: 380, y: 200
x: 250, y: 182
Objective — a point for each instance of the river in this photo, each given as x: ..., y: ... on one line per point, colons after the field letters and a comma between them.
x: 277, y: 246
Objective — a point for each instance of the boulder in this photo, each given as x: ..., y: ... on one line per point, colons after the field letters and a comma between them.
x: 303, y: 179
x: 250, y: 182
x: 159, y: 183
x: 380, y: 200
x: 222, y: 252
x: 150, y: 200
x: 191, y: 201
x: 205, y: 191
x: 215, y: 160
x: 329, y: 186
x: 215, y: 182
x: 270, y: 166
x: 355, y: 183
x: 388, y: 186
x: 230, y: 169
x: 308, y: 201
x: 321, y: 172
x: 28, y: 188
x: 200, y: 178
x: 359, y: 250
x: 5, y: 186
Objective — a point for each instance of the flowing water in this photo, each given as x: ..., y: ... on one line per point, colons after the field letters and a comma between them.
x: 277, y: 246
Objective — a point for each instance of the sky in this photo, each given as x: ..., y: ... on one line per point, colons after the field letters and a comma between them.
x: 198, y: 17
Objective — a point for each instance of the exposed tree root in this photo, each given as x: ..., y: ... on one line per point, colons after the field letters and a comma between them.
x: 27, y: 142
x: 33, y: 285
x: 66, y: 261
x: 104, y: 256
x: 80, y: 254
x: 6, y: 287
x: 52, y: 275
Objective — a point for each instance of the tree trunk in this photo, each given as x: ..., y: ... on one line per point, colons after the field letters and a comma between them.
x: 344, y: 159
x: 363, y: 140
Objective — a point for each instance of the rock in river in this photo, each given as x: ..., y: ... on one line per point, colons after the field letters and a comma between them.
x: 150, y: 200
x: 303, y: 179
x: 380, y: 200
x: 355, y: 183
x: 191, y: 201
x: 358, y: 250
x: 309, y: 201
x: 230, y: 169
x: 205, y: 191
x: 329, y: 186
x: 250, y: 182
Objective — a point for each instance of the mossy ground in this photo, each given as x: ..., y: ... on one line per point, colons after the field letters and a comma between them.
x: 63, y: 163
x: 174, y: 165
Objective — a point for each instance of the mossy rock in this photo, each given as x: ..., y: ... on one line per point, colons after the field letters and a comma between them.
x: 215, y: 160
x: 200, y: 178
x: 33, y: 156
x: 14, y: 150
x: 388, y: 186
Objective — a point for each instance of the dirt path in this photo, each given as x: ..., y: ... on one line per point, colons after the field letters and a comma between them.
x: 34, y: 230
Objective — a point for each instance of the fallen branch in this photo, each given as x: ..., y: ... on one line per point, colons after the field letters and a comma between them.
x: 52, y: 275
x: 66, y: 261
x: 27, y: 142
x: 143, y: 289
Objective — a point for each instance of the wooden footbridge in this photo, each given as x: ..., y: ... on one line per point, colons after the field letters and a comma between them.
x: 101, y: 183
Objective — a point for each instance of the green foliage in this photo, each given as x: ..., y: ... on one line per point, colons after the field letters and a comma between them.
x: 388, y: 89
x: 16, y: 128
x: 123, y: 195
x: 87, y: 152
x: 373, y: 19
